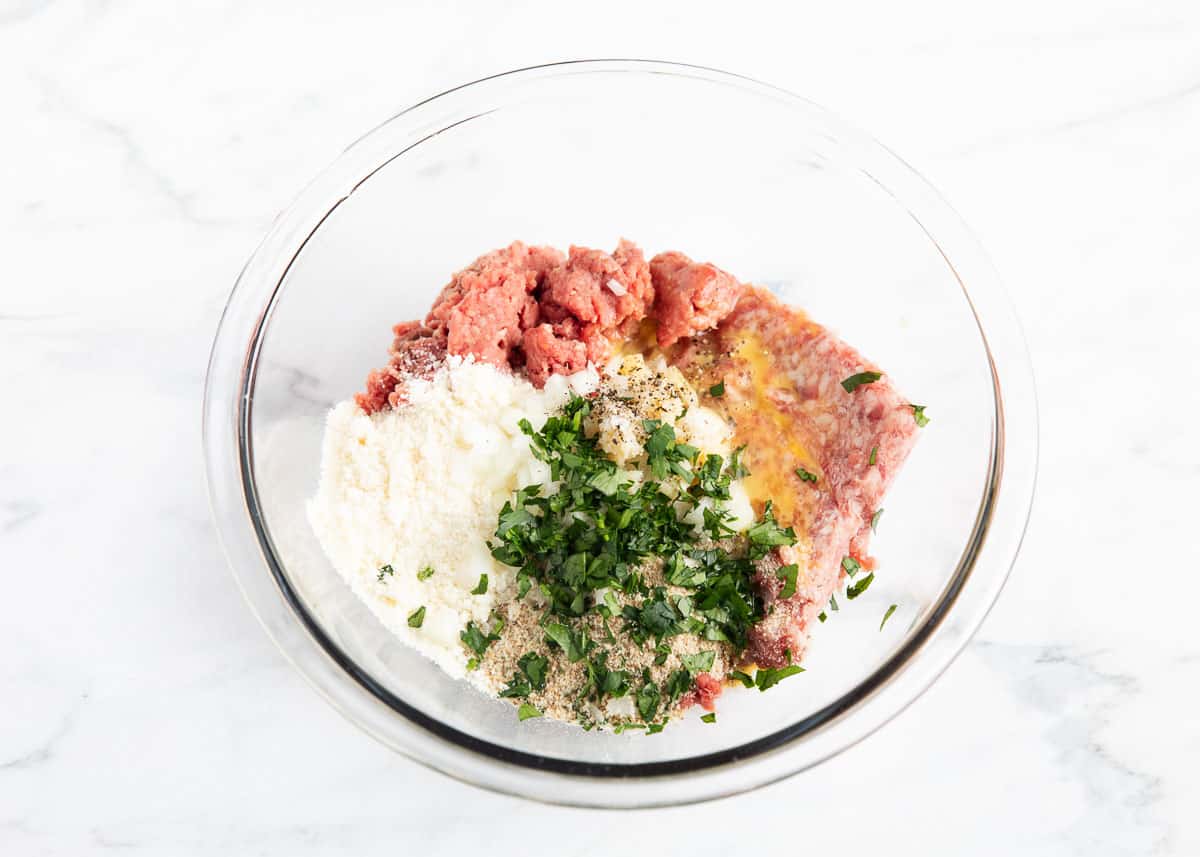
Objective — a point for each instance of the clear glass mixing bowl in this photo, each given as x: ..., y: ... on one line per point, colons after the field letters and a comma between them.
x: 726, y: 169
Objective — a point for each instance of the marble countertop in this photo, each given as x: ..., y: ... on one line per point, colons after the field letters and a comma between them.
x: 146, y: 148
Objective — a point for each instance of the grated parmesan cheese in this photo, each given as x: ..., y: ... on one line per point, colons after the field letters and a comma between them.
x: 420, y: 486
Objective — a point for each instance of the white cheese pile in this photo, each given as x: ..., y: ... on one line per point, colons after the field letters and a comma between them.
x: 420, y: 487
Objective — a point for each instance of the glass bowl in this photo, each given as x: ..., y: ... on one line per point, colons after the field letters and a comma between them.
x: 723, y: 168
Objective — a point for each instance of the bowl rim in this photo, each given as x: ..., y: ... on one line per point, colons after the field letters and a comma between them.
x: 247, y: 542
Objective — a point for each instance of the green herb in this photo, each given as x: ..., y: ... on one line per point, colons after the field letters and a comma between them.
x: 615, y: 684
x: 481, y: 586
x: 654, y: 728
x: 874, y: 452
x: 919, y: 415
x: 386, y: 569
x: 425, y: 573
x: 657, y: 617
x: 664, y: 455
x: 517, y: 687
x: 767, y: 679
x: 746, y: 680
x: 859, y: 588
x: 591, y: 535
x: 472, y: 664
x: 875, y: 519
x: 787, y: 574
x: 526, y: 711
x: 855, y: 381
x: 711, y: 717
x: 477, y: 641
x: 767, y: 534
x: 822, y: 616
x: 833, y: 605
x: 534, y: 666
x: 806, y: 476
x: 736, y: 469
x: 701, y: 662
x: 851, y: 565
x: 569, y: 641
x: 678, y: 683
x: 711, y: 481
x: 661, y: 652
x: 717, y: 390
x: 887, y: 615
x: 417, y: 618
x: 606, y: 482
x: 648, y: 699
x: 530, y: 677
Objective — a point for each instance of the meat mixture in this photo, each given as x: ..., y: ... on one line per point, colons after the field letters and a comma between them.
x: 824, y: 455
x: 731, y: 456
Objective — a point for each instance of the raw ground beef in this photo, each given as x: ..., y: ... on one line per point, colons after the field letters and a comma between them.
x: 776, y: 365
x: 534, y: 308
x: 416, y: 352
x: 692, y: 296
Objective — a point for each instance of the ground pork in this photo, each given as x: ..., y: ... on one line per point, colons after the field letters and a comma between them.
x: 854, y: 443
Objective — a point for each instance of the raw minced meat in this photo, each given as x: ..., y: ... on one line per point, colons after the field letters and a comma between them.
x: 780, y: 369
x: 533, y: 308
x: 691, y: 297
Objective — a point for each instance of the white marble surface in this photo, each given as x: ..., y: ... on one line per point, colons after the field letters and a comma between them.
x: 147, y: 145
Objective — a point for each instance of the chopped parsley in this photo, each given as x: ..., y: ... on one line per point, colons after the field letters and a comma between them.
x: 526, y: 711
x: 573, y: 643
x: 583, y: 539
x: 701, y: 662
x: 481, y: 586
x: 746, y: 680
x: 736, y: 469
x: 851, y: 565
x: 530, y: 676
x: 767, y: 679
x: 887, y: 615
x: 477, y: 641
x: 711, y: 717
x: 425, y: 573
x: 788, y: 575
x: 717, y: 390
x: 417, y: 618
x: 822, y: 616
x: 874, y: 453
x: 855, y: 381
x: 919, y: 415
x: 875, y: 519
x: 678, y: 683
x: 385, y: 570
x: 767, y: 534
x: 597, y: 528
x: 648, y: 699
x: 859, y: 588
